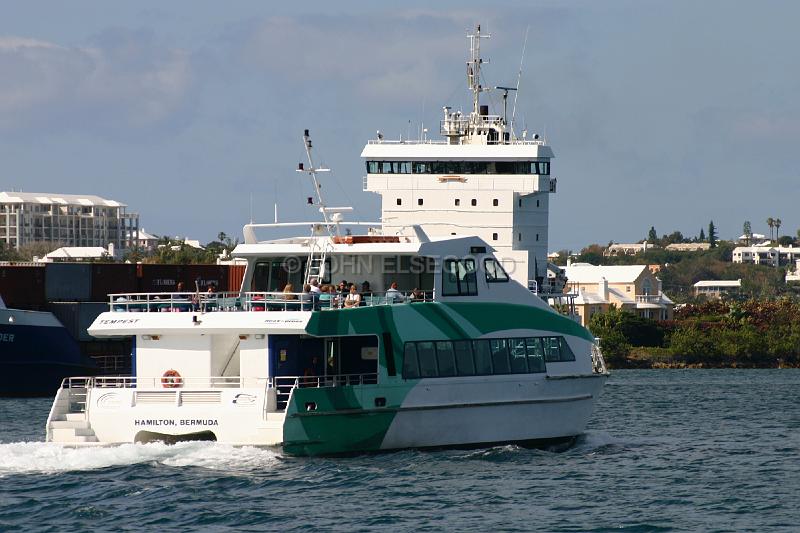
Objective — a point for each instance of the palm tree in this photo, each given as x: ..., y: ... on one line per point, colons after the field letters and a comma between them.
x: 771, y: 224
x: 777, y: 223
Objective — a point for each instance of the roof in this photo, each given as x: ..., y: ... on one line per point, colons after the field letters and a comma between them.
x: 719, y: 283
x: 82, y: 200
x: 75, y: 252
x: 586, y: 273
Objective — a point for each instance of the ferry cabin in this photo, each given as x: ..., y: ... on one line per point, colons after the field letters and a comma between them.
x: 480, y: 359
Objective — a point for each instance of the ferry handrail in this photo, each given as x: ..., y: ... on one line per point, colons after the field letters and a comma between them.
x: 255, y: 301
x: 221, y: 382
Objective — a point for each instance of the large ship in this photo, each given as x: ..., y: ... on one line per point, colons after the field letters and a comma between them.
x: 36, y: 353
x: 446, y: 338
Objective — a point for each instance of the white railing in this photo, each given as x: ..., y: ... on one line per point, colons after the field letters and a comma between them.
x: 256, y: 301
x: 217, y: 382
x: 648, y: 298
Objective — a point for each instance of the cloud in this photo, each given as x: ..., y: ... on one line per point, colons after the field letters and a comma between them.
x: 122, y: 80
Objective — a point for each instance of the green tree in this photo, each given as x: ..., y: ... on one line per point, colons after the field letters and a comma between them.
x: 712, y: 234
x: 777, y: 223
x: 771, y: 224
x: 652, y: 236
x: 747, y: 229
x: 702, y: 234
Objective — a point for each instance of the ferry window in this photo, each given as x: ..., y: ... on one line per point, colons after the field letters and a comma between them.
x: 500, y: 356
x: 459, y: 278
x: 505, y: 167
x: 535, y: 167
x: 396, y: 167
x: 533, y: 346
x: 421, y: 167
x: 537, y: 237
x: 494, y: 236
x: 552, y: 349
x: 386, y: 167
x: 419, y: 201
x: 405, y: 167
x: 427, y: 360
x: 458, y: 202
x: 452, y: 167
x: 566, y: 351
x: 480, y: 167
x: 494, y: 270
x: 474, y: 202
x: 446, y: 359
x: 437, y: 167
x: 520, y: 202
x: 410, y: 367
x: 519, y: 363
x: 465, y: 366
x: 519, y: 236
x: 372, y: 167
x: 545, y: 167
x: 399, y: 201
x: 260, y: 277
x: 483, y: 357
x: 537, y: 203
x: 495, y: 202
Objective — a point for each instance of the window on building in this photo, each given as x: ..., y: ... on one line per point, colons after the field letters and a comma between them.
x: 419, y: 201
x: 537, y: 237
x: 519, y: 236
x: 399, y: 201
x: 459, y: 277
x: 474, y: 202
x: 457, y: 202
x: 520, y: 202
x: 494, y: 236
x: 495, y: 202
x: 494, y: 270
x: 537, y: 203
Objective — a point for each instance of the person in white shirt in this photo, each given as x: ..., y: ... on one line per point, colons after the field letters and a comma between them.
x: 393, y: 295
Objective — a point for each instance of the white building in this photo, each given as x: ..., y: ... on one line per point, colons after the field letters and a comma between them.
x: 72, y: 220
x: 629, y: 249
x: 766, y: 255
x: 717, y: 288
x: 480, y: 179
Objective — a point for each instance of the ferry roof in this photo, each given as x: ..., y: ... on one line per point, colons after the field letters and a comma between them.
x: 399, y: 150
x: 62, y: 199
x: 447, y: 245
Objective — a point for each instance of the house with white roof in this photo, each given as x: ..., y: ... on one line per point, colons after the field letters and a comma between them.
x: 717, y: 288
x: 69, y: 219
x: 632, y: 288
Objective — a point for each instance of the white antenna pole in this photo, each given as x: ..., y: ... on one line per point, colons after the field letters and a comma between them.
x: 276, y: 212
x: 312, y: 171
x: 251, y: 208
x: 519, y: 76
x: 474, y: 68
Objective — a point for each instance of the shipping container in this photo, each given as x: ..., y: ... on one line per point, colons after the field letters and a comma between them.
x: 235, y: 277
x: 203, y: 276
x: 158, y: 278
x: 110, y: 278
x: 23, y: 287
x: 77, y: 316
x: 68, y: 282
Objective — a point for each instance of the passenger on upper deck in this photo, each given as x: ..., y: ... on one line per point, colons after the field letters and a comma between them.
x: 393, y: 295
x: 287, y: 292
x: 416, y: 296
x: 353, y: 299
x: 315, y: 286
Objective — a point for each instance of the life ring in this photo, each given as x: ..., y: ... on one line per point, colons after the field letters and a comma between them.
x: 171, y: 379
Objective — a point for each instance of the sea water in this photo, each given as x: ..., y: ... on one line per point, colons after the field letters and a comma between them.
x: 667, y: 450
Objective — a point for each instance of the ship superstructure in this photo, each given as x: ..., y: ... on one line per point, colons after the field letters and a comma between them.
x: 479, y: 179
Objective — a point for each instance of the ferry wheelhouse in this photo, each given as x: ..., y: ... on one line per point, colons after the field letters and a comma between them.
x: 446, y: 345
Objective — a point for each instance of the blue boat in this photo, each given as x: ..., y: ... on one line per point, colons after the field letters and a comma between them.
x: 37, y: 353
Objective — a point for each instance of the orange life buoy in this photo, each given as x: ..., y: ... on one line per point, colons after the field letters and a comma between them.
x: 171, y: 379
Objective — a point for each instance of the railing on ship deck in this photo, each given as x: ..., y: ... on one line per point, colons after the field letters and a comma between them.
x: 217, y: 382
x: 150, y: 302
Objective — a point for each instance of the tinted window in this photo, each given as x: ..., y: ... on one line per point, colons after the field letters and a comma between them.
x: 410, y: 367
x: 427, y: 359
x: 446, y: 359
x: 483, y: 357
x: 519, y: 364
x: 552, y: 351
x: 566, y: 351
x: 500, y: 356
x: 533, y: 347
x: 465, y: 366
x: 459, y: 278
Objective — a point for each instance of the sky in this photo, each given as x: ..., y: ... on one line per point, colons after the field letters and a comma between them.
x: 660, y: 113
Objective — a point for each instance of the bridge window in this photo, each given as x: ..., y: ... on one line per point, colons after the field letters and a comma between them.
x: 459, y: 278
x: 494, y: 270
x: 458, y: 167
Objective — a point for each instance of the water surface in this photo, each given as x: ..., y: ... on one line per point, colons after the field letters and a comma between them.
x: 667, y: 450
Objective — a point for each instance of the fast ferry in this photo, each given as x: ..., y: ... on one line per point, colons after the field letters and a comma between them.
x: 445, y: 339
x: 36, y: 353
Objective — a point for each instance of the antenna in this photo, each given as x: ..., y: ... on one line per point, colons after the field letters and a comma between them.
x: 474, y: 68
x: 312, y: 171
x: 519, y: 76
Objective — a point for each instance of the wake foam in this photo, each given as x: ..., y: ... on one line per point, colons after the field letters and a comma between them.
x: 47, y: 457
